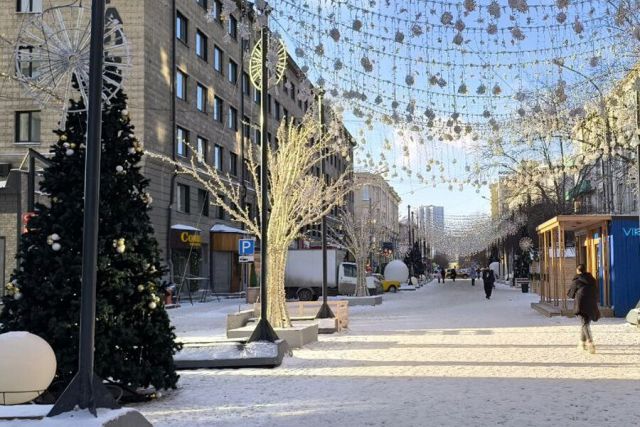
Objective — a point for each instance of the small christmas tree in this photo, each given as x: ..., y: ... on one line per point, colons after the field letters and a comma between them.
x: 413, y: 260
x: 134, y: 342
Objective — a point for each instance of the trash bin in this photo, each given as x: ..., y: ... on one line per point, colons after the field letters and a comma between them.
x: 525, y: 287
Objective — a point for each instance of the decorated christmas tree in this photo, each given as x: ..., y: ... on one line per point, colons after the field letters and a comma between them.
x: 134, y: 342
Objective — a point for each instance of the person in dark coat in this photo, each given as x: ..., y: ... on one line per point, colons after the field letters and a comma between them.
x: 488, y: 279
x: 584, y: 291
x: 454, y: 273
x: 443, y: 273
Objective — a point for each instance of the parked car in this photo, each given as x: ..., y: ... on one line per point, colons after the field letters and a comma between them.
x: 460, y: 274
x: 388, y: 285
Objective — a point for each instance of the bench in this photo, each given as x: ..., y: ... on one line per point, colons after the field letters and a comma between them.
x: 307, y: 310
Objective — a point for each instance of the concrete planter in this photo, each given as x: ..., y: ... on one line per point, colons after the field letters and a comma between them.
x: 252, y: 295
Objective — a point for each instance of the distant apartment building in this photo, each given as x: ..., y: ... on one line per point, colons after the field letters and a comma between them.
x: 188, y: 86
x: 376, y: 199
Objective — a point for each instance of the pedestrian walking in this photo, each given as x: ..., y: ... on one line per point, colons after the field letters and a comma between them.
x: 584, y: 291
x: 474, y: 275
x: 443, y: 273
x: 453, y: 274
x: 488, y: 279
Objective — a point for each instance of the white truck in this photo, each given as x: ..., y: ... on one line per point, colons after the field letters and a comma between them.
x: 303, y: 274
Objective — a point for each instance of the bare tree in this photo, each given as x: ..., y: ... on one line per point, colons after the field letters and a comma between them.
x: 297, y: 198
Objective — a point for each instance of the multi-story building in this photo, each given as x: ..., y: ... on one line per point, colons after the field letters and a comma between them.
x: 374, y: 198
x: 429, y: 223
x: 188, y: 86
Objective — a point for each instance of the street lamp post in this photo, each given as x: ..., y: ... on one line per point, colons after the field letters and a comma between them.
x: 264, y: 331
x: 325, y: 311
x: 86, y: 389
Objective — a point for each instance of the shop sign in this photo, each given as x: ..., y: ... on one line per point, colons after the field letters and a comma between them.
x: 186, y: 239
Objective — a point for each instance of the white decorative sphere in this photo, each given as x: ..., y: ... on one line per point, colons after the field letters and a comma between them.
x: 120, y: 249
x: 56, y: 246
x: 396, y: 270
x: 55, y: 237
x: 27, y: 367
x: 152, y: 305
x: 119, y: 169
x: 69, y: 152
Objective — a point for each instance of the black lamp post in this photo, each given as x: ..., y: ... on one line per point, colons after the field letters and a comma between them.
x: 325, y: 311
x: 86, y: 389
x: 264, y: 331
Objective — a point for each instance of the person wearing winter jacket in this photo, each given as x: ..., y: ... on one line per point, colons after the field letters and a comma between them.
x: 584, y: 291
x: 488, y: 279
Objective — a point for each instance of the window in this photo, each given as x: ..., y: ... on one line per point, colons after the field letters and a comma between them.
x: 269, y: 103
x: 365, y: 193
x: 219, y: 209
x: 233, y: 72
x: 181, y: 27
x: 201, y: 45
x: 257, y: 136
x: 217, y: 157
x: 247, y: 126
x: 25, y: 61
x: 216, y: 11
x: 181, y: 85
x: 249, y: 208
x: 202, y: 3
x: 285, y: 113
x: 350, y: 270
x: 29, y: 6
x: 182, y: 141
x: 217, y: 59
x: 202, y: 149
x: 218, y: 104
x: 257, y: 95
x: 183, y: 199
x: 293, y: 91
x: 201, y: 98
x: 203, y: 202
x: 246, y: 85
x: 28, y: 126
x: 285, y: 86
x: 277, y: 110
x: 232, y: 119
x: 232, y: 27
x: 233, y: 164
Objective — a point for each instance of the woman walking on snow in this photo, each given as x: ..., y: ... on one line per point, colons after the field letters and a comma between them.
x: 584, y: 290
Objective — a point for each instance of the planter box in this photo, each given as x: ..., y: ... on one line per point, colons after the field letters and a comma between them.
x: 370, y: 300
x: 300, y: 334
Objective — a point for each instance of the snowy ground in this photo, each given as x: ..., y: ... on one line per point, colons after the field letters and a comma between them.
x: 440, y: 356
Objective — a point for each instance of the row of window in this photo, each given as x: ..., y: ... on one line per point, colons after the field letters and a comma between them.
x: 183, y: 203
x: 182, y: 25
x: 202, y: 152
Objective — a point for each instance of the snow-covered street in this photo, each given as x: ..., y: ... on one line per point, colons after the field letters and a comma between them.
x: 440, y: 356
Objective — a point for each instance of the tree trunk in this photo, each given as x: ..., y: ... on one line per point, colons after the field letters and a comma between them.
x: 277, y: 313
x: 361, y: 284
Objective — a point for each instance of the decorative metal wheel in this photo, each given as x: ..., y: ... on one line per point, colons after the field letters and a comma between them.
x: 526, y: 244
x: 52, y: 57
x: 276, y: 62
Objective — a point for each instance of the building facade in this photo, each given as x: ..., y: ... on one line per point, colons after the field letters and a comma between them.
x: 189, y: 90
x: 376, y: 199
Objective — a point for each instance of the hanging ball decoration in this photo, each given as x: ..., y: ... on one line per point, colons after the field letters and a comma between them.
x: 492, y: 29
x: 69, y: 152
x: 446, y: 18
x: 63, y: 137
x: 119, y: 169
x: 357, y: 25
x: 399, y: 37
x: 469, y: 5
x: 27, y: 367
x: 334, y: 33
x: 458, y: 39
x: 409, y: 80
x: 494, y: 9
x: 56, y: 246
x: 366, y: 64
x: 140, y: 288
x: 526, y: 244
x: 152, y: 305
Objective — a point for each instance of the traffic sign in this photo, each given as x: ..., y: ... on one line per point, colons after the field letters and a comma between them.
x: 245, y: 258
x: 246, y: 247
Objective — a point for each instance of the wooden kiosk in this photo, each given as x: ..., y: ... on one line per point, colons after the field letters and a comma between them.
x: 592, y: 248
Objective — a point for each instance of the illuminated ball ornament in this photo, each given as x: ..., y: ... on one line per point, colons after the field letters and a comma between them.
x: 152, y: 305
x: 396, y: 270
x: 119, y: 245
x: 27, y: 367
x: 56, y: 246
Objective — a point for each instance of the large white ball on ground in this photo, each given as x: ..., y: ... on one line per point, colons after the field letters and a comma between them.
x: 27, y: 367
x: 396, y: 270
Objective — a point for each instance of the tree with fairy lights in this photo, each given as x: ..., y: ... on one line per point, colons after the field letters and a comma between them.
x: 134, y: 343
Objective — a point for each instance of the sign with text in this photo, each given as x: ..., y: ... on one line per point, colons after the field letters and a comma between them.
x: 246, y: 250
